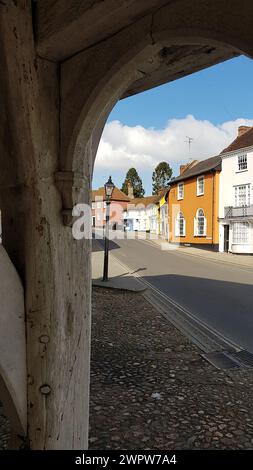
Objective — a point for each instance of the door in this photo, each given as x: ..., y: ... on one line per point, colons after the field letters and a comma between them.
x: 226, y: 238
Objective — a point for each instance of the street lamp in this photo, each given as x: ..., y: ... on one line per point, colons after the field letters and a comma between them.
x: 109, y: 187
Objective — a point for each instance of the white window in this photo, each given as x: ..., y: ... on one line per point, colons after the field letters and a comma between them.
x: 180, y: 191
x: 93, y: 205
x: 200, y: 185
x: 99, y: 205
x: 180, y: 225
x: 200, y: 224
x: 240, y: 232
x: 242, y: 195
x: 242, y: 163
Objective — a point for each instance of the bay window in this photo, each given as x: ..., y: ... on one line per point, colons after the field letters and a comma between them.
x: 240, y: 232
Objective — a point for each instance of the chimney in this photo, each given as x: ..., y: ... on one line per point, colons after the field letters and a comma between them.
x: 243, y: 129
x: 183, y: 168
x: 130, y: 190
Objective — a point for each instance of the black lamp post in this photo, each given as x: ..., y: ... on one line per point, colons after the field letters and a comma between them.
x: 109, y: 187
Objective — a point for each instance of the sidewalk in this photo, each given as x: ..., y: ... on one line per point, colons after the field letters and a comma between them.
x: 119, y: 277
x: 151, y: 389
x: 238, y: 260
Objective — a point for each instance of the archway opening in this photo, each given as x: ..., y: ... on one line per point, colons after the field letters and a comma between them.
x: 129, y: 143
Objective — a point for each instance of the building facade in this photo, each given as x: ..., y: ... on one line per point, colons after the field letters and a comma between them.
x: 193, y: 205
x: 141, y: 214
x: 162, y: 214
x: 236, y: 195
x: 118, y: 205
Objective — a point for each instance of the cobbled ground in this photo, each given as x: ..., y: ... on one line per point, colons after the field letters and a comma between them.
x: 4, y: 430
x: 151, y: 389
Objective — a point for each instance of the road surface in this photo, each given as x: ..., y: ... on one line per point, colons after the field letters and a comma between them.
x: 217, y: 293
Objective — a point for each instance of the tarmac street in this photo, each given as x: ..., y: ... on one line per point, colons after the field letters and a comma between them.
x: 218, y: 293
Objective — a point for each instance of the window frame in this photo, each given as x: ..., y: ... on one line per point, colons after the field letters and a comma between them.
x: 196, y: 223
x: 180, y: 218
x: 239, y: 238
x: 243, y: 162
x: 237, y: 195
x: 180, y: 185
x: 201, y: 177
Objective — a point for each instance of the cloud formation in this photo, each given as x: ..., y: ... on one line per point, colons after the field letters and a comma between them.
x: 123, y: 146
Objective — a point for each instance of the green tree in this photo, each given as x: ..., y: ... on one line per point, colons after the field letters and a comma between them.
x: 133, y: 178
x: 161, y: 177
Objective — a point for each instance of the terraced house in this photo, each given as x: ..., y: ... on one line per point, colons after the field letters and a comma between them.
x: 141, y: 214
x: 236, y: 195
x: 119, y: 202
x: 147, y: 214
x: 194, y: 205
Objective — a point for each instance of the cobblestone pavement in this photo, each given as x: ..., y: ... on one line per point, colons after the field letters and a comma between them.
x: 4, y: 430
x: 151, y: 389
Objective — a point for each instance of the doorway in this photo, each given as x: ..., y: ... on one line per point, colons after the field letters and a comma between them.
x: 226, y: 238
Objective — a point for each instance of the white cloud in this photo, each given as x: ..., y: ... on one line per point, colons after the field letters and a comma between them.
x: 123, y: 146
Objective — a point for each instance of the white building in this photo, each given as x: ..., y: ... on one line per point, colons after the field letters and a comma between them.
x: 141, y: 215
x: 236, y: 194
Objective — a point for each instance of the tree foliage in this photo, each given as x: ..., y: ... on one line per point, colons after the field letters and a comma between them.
x: 161, y: 176
x: 133, y: 178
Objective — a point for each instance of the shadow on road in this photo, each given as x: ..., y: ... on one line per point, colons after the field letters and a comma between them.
x: 225, y: 306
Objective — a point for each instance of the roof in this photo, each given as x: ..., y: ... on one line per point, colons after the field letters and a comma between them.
x: 117, y: 195
x: 241, y: 142
x: 146, y: 201
x: 204, y: 166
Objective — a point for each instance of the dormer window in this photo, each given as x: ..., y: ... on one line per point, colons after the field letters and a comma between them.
x: 180, y: 191
x: 242, y: 162
x: 200, y: 186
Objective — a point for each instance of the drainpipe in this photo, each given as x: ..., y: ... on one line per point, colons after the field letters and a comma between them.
x: 213, y: 172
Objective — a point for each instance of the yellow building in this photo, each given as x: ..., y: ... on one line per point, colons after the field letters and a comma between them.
x: 194, y: 205
x: 162, y: 213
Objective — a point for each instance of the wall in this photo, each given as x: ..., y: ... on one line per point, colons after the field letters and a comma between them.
x: 189, y: 206
x: 116, y: 212
x: 12, y: 345
x: 229, y: 178
x: 139, y: 219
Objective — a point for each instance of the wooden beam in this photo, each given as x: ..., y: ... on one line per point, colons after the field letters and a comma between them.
x: 65, y: 27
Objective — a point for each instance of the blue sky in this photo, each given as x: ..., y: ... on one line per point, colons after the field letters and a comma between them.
x: 215, y: 98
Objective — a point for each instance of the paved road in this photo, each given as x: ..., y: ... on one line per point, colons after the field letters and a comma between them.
x: 220, y: 294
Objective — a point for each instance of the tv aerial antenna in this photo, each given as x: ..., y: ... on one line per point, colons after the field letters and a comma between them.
x: 189, y: 141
